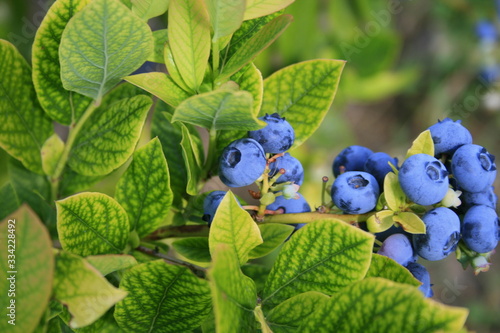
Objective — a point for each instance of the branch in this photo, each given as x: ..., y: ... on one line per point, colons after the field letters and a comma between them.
x: 197, y: 270
x: 180, y: 231
x: 314, y: 216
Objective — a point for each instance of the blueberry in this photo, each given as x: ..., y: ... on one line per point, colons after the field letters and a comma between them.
x: 291, y: 206
x: 210, y: 205
x: 423, y: 179
x: 242, y: 162
x: 486, y: 30
x: 352, y: 158
x: 448, y: 136
x: 442, y: 234
x: 473, y: 168
x: 355, y: 192
x: 378, y: 166
x: 487, y: 198
x: 398, y: 248
x: 276, y: 137
x: 421, y: 274
x: 294, y: 172
x: 480, y: 229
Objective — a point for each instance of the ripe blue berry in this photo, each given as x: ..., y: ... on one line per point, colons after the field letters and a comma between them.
x: 487, y: 198
x: 355, y: 192
x: 242, y: 162
x: 291, y: 206
x: 421, y: 274
x: 423, y: 179
x: 486, y: 30
x: 398, y: 248
x: 352, y: 158
x: 294, y: 172
x: 480, y: 229
x: 473, y: 168
x: 276, y: 137
x: 210, y: 205
x: 378, y: 166
x: 442, y: 234
x: 448, y: 136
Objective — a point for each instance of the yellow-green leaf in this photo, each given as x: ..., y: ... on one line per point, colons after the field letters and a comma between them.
x: 161, y: 85
x: 376, y: 305
x: 160, y: 37
x: 302, y: 93
x: 92, y: 223
x: 51, y: 152
x: 173, y: 70
x: 115, y: 43
x: 24, y: 126
x: 192, y: 152
x: 289, y: 315
x: 86, y: 293
x: 384, y: 267
x: 233, y: 226
x: 254, y: 45
x: 162, y: 298
x: 410, y: 222
x: 10, y: 201
x: 395, y: 197
x: 220, y: 110
x: 193, y: 248
x: 423, y: 144
x: 61, y: 105
x: 380, y: 221
x: 108, y: 137
x: 225, y: 16
x: 189, y: 38
x: 273, y: 235
x: 27, y: 260
x: 323, y: 256
x: 257, y: 8
x: 147, y: 9
x: 234, y: 294
x: 73, y: 182
x: 105, y: 324
x: 144, y: 189
x: 108, y: 263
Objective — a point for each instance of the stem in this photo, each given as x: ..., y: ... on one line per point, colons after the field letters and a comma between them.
x: 263, y: 191
x: 211, y: 154
x: 259, y: 315
x: 215, y: 58
x: 314, y: 216
x: 180, y: 231
x: 197, y: 270
x: 73, y: 133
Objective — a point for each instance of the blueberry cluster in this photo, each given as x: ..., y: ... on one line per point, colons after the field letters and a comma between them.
x: 263, y: 154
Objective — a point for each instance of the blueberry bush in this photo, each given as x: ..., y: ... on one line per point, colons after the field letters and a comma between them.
x: 165, y: 255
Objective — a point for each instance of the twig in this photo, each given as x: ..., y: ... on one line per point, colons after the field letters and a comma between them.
x: 197, y: 270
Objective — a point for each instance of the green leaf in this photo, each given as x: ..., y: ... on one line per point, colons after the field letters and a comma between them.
x: 423, y: 144
x: 115, y: 43
x: 61, y: 105
x: 289, y: 315
x: 257, y: 273
x: 144, y: 189
x: 321, y: 249
x: 380, y: 221
x: 108, y: 137
x: 10, y: 201
x: 175, y: 300
x: 220, y: 109
x: 92, y: 223
x: 189, y: 38
x: 86, y: 293
x: 108, y: 263
x: 24, y: 126
x: 256, y: 44
x: 105, y: 324
x: 273, y: 236
x: 384, y: 267
x: 410, y: 222
x: 27, y: 261
x: 233, y: 226
x: 147, y: 9
x: 160, y: 37
x: 302, y: 93
x: 226, y: 16
x: 73, y: 182
x: 170, y: 136
x: 193, y: 248
x: 173, y: 70
x: 395, y: 197
x: 234, y: 295
x: 378, y: 305
x: 192, y: 152
x: 51, y: 152
x: 161, y: 85
x: 257, y: 8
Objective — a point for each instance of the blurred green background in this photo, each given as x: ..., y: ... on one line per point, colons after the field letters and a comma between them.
x: 409, y: 63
